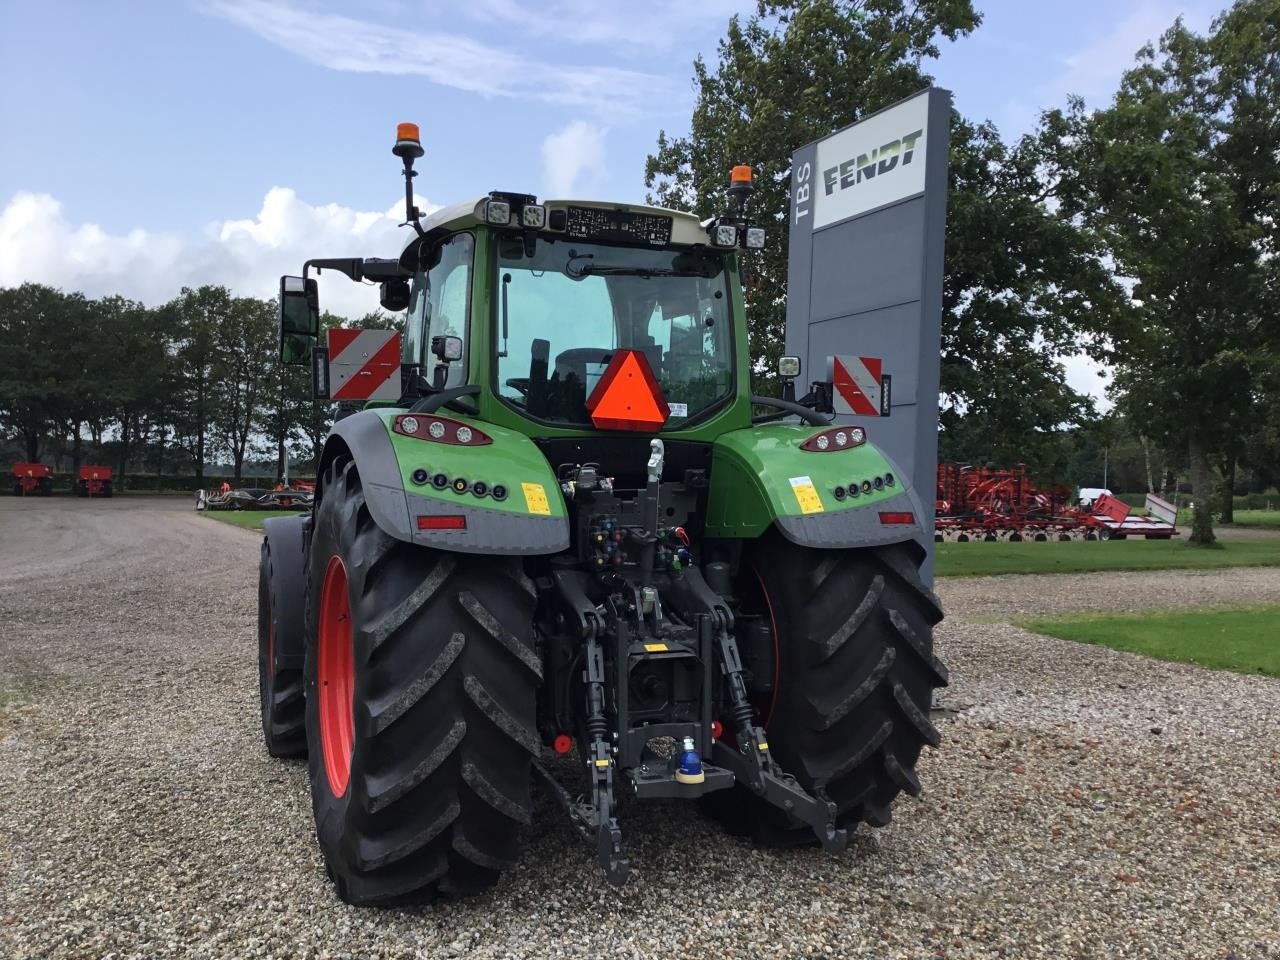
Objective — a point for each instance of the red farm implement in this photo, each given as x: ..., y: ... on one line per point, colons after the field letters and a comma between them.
x: 94, y: 482
x: 984, y: 503
x: 30, y: 479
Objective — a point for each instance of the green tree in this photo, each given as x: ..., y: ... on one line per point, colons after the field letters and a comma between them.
x: 195, y: 317
x: 31, y: 374
x: 791, y: 73
x: 1172, y: 179
x: 1023, y: 284
x: 243, y: 375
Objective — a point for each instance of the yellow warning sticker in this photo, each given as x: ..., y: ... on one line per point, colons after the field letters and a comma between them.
x: 806, y: 495
x: 602, y: 763
x: 655, y: 648
x: 535, y: 499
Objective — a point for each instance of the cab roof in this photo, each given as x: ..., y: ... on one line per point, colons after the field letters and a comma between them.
x: 686, y: 229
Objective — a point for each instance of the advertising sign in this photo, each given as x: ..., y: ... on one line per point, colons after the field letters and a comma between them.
x: 864, y: 280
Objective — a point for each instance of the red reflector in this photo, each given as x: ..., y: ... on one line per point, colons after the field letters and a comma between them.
x: 563, y: 743
x: 897, y: 518
x: 442, y: 523
x: 628, y: 396
x: 717, y: 728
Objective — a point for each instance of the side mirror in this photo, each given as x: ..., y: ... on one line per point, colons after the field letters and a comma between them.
x: 299, y: 319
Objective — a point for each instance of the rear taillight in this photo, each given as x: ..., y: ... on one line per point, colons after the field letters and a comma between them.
x: 837, y: 438
x: 903, y: 517
x: 443, y: 522
x: 439, y: 430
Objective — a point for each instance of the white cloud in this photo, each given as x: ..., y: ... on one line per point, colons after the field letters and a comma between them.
x: 573, y: 160
x: 608, y: 21
x: 452, y: 60
x: 39, y: 244
x: 1094, y: 70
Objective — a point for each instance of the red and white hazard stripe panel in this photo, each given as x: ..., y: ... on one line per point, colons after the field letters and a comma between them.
x: 859, y: 386
x: 364, y: 364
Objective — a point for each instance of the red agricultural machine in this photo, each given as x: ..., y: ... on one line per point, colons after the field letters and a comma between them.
x: 94, y: 482
x: 30, y: 479
x: 985, y: 503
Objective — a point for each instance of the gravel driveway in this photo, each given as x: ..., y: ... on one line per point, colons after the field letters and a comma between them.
x: 1084, y: 803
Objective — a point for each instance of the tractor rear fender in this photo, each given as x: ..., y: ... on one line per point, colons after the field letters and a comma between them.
x: 396, y: 473
x: 761, y: 477
x: 286, y: 543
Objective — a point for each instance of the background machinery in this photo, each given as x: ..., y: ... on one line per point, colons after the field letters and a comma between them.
x: 31, y: 479
x: 94, y: 481
x: 989, y: 503
x: 561, y: 525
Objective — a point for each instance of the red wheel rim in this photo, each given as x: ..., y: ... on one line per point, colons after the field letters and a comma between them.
x: 335, y: 677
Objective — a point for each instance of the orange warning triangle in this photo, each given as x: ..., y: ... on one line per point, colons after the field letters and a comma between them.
x: 628, y: 396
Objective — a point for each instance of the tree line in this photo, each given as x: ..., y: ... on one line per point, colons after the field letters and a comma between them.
x: 1142, y: 234
x: 153, y: 389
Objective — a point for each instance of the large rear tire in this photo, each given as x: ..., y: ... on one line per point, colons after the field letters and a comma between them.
x: 422, y: 679
x: 849, y: 715
x: 280, y: 690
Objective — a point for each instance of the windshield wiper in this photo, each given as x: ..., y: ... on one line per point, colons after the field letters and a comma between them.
x: 605, y: 270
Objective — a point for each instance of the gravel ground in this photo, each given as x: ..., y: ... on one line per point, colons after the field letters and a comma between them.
x: 1085, y: 803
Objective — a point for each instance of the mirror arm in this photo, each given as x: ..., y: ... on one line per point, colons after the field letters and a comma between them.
x: 353, y: 267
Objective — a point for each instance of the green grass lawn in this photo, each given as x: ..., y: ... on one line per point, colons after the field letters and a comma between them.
x: 1081, y: 556
x: 1244, y: 639
x: 249, y: 519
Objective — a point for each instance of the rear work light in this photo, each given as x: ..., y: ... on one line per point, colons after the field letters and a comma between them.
x: 903, y: 517
x: 445, y: 522
x: 837, y: 438
x: 428, y: 426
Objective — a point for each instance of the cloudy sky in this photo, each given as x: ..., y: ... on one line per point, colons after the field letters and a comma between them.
x: 146, y: 146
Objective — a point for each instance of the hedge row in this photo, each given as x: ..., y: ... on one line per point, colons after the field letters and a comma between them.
x: 1248, y: 501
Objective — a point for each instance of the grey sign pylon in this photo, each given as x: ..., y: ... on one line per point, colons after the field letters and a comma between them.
x: 868, y: 221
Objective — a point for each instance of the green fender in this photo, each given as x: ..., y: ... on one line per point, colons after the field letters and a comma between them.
x: 531, y: 519
x: 760, y: 477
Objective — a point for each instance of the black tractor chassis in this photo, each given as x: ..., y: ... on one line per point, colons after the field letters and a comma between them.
x: 639, y: 647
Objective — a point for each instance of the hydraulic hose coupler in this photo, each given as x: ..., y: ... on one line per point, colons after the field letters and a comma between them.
x: 689, y: 769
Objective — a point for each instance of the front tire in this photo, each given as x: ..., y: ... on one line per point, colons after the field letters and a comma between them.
x: 849, y: 716
x: 422, y: 679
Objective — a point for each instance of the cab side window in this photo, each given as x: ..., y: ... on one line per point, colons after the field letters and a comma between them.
x: 446, y: 302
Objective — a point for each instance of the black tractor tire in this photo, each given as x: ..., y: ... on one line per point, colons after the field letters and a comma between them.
x: 280, y: 689
x: 849, y: 714
x: 46, y: 487
x: 444, y: 674
x: 82, y: 489
x: 106, y: 489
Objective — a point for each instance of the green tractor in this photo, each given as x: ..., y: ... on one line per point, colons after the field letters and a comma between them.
x: 570, y: 541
